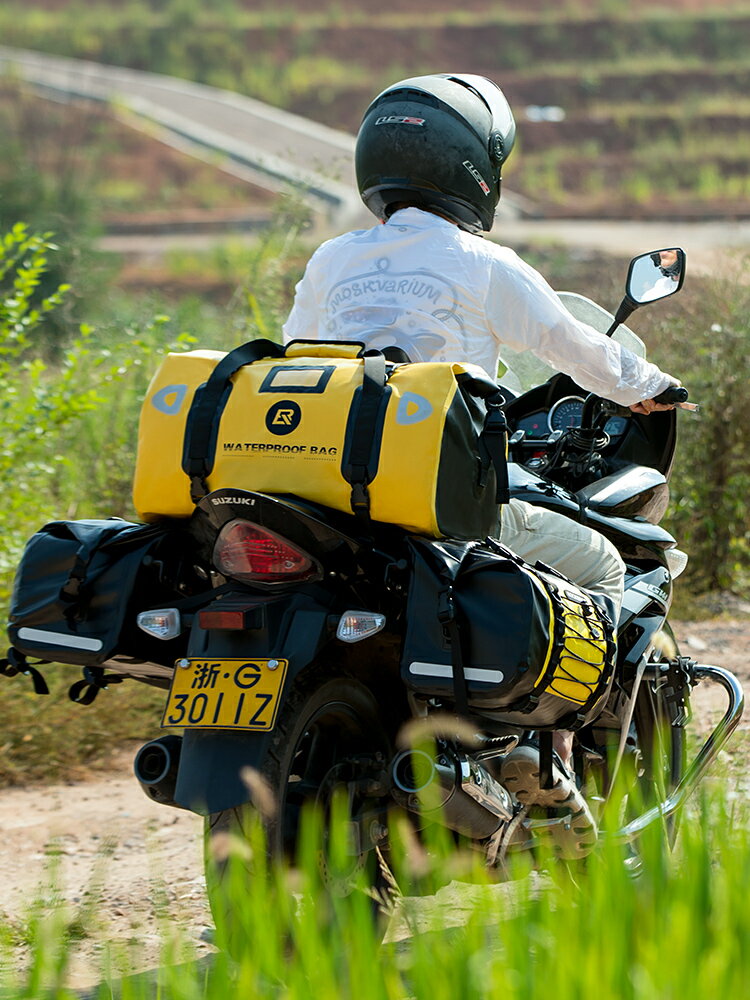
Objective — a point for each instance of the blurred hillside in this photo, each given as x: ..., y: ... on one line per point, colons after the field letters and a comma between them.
x: 634, y: 111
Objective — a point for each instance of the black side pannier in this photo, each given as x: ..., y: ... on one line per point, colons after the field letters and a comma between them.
x: 497, y: 637
x: 74, y: 588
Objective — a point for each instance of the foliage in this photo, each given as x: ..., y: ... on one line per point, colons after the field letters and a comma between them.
x: 46, y: 181
x: 326, y: 62
x: 701, y: 336
x: 48, y: 738
x: 710, y: 511
x: 67, y: 435
x: 51, y: 422
x: 678, y: 930
x: 30, y: 404
x: 68, y: 430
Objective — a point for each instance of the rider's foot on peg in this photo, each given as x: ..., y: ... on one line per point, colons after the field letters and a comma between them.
x: 576, y: 834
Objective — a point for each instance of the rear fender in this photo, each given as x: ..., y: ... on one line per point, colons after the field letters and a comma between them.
x: 294, y: 627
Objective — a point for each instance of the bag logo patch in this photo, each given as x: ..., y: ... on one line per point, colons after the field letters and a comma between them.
x: 283, y: 417
x: 413, y: 409
x: 169, y: 399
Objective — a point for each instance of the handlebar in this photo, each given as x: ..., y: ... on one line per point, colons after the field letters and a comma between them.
x: 673, y: 394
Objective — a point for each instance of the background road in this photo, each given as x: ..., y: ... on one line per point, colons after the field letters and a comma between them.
x: 276, y: 149
x: 253, y: 140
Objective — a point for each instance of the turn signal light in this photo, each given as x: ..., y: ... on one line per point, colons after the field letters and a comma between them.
x: 677, y: 561
x: 354, y: 626
x: 164, y: 623
x: 252, y: 554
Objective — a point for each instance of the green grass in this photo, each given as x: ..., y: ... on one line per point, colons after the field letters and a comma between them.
x: 677, y: 932
x: 48, y: 739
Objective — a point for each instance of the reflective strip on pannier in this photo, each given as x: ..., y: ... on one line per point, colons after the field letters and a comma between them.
x: 419, y: 445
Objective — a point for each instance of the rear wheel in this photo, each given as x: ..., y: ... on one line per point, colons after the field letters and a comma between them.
x: 329, y: 744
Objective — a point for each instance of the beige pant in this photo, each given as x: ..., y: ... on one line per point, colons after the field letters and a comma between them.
x: 576, y: 551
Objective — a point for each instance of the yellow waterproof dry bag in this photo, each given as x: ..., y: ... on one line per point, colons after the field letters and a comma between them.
x: 419, y: 445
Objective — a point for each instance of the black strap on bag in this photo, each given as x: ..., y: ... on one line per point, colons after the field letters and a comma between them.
x: 84, y: 692
x: 91, y: 536
x: 210, y: 400
x: 449, y: 569
x: 493, y: 440
x: 364, y: 447
x: 15, y: 662
x: 76, y: 592
x: 447, y: 618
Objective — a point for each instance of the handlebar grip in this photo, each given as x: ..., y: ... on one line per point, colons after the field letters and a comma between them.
x: 674, y: 394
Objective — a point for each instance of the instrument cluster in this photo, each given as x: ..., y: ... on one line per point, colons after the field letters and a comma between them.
x: 565, y: 413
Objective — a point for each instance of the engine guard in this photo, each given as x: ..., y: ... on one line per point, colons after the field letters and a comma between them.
x: 705, y: 756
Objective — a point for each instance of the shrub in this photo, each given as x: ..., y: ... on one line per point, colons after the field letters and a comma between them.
x: 62, y: 425
x: 710, y: 510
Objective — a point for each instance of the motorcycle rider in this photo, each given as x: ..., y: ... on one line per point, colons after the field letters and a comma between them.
x: 428, y: 160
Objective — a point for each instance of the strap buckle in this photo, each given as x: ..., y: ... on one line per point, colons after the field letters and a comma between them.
x: 446, y: 607
x: 198, y: 488
x: 360, y: 499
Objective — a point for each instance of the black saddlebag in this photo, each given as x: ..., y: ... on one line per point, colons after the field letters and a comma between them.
x: 76, y: 585
x: 494, y: 636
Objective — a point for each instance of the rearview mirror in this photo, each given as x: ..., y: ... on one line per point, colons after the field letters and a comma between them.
x: 655, y: 275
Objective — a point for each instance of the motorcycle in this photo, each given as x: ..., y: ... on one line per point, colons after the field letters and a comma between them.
x: 278, y: 628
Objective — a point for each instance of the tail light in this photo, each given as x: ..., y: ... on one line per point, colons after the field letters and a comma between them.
x: 251, y: 554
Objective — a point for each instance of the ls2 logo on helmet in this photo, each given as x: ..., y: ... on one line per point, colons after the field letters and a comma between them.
x: 477, y: 176
x: 283, y: 417
x: 399, y: 120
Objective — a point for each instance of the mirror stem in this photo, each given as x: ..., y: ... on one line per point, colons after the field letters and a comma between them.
x: 626, y: 308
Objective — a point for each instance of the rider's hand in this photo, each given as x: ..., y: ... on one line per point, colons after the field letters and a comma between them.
x: 647, y: 406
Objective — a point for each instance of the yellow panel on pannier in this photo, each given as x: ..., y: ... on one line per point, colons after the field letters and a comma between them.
x: 409, y: 443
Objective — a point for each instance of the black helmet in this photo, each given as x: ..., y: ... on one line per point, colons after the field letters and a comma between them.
x: 438, y: 142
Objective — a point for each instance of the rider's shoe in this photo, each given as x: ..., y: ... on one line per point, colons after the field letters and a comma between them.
x: 575, y: 835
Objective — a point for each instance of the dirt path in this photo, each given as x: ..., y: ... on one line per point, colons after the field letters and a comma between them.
x: 143, y: 861
x: 108, y: 843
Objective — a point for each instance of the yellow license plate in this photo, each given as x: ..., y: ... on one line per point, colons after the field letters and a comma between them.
x: 225, y: 694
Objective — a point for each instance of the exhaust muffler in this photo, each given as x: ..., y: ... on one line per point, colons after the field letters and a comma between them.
x: 452, y: 789
x: 156, y: 765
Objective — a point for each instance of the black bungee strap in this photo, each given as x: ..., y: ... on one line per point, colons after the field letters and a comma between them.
x: 361, y: 464
x: 208, y: 405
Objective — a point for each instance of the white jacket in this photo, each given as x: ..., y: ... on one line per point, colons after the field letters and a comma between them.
x: 422, y: 284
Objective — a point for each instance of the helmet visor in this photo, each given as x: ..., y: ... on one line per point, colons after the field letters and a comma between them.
x: 493, y: 97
